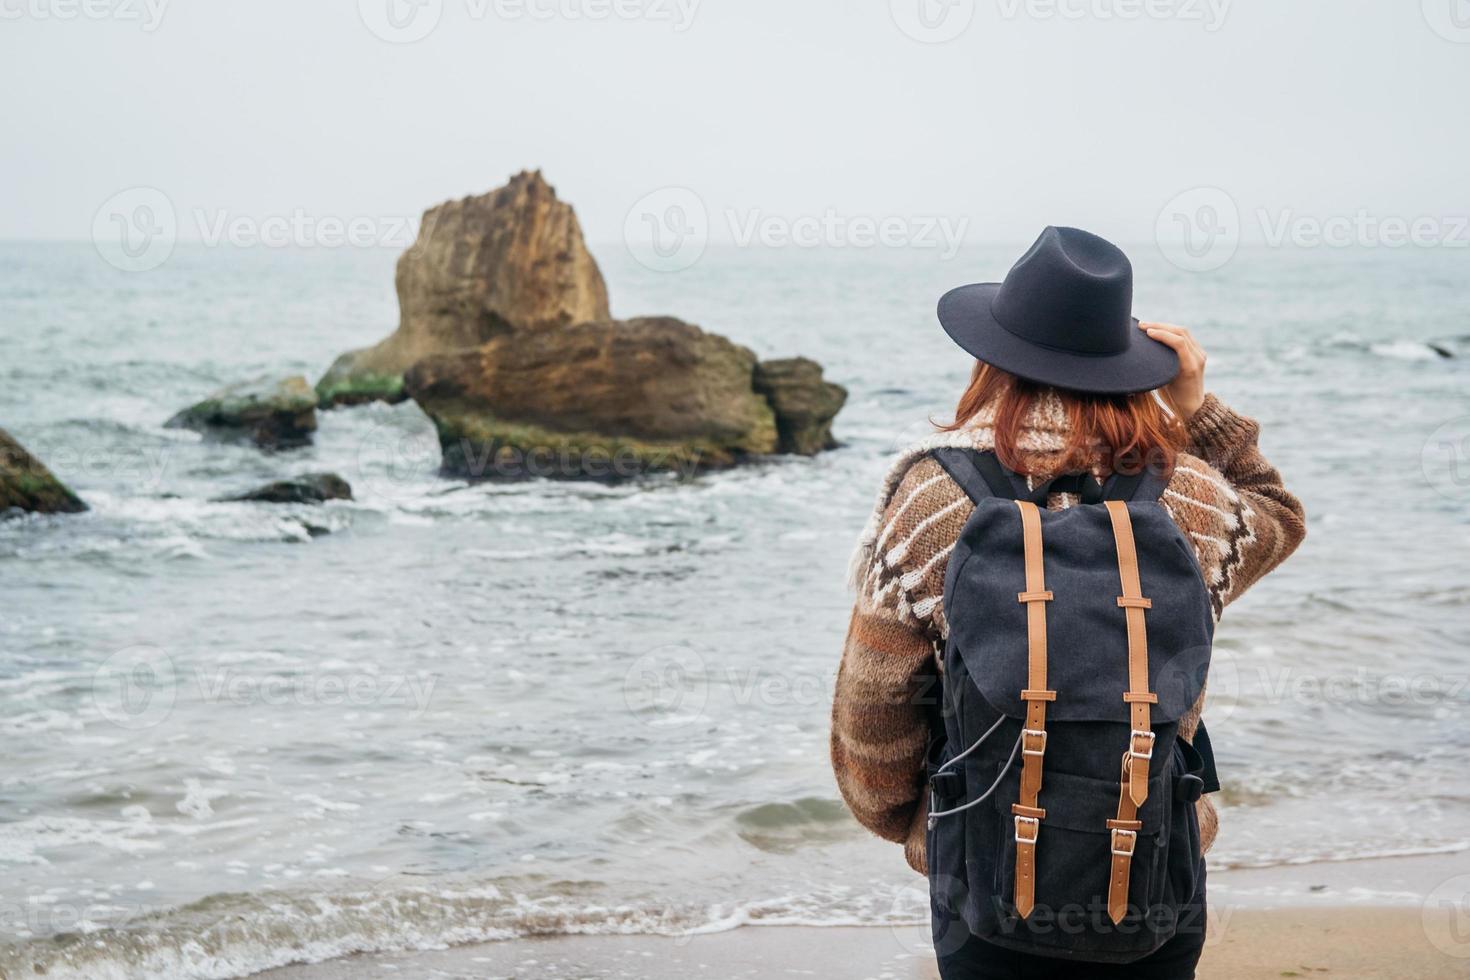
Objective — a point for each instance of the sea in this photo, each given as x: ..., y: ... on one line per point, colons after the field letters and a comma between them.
x: 234, y: 736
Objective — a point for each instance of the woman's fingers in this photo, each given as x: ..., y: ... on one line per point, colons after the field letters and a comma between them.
x: 1186, y: 393
x: 1172, y: 337
x: 1191, y: 355
x: 1162, y: 330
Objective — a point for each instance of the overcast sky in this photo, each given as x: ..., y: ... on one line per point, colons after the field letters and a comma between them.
x: 1088, y: 112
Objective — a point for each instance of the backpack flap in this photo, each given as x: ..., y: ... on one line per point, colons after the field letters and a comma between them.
x: 1087, y: 632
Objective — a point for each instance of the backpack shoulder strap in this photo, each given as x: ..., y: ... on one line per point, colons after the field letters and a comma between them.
x: 1143, y: 487
x: 979, y: 474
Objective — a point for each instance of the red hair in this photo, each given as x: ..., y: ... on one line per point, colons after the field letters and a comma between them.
x: 1126, y: 433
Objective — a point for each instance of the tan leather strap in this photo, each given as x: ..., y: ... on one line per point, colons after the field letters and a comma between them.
x: 1124, y: 838
x: 1133, y: 779
x: 1027, y: 812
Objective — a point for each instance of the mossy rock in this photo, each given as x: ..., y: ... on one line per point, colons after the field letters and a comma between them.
x: 346, y: 383
x: 273, y: 414
x: 477, y: 446
x: 27, y: 485
x: 601, y: 400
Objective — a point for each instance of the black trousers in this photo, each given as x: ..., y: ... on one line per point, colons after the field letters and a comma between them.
x: 1175, y: 960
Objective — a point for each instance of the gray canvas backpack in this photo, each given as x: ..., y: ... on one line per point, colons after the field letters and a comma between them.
x: 1062, y: 819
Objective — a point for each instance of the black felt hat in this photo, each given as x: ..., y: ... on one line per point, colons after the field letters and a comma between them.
x: 1062, y: 317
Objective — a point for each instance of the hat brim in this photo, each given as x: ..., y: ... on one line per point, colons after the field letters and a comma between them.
x: 1146, y: 364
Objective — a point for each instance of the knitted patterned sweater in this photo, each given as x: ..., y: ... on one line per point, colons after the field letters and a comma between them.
x: 1227, y: 499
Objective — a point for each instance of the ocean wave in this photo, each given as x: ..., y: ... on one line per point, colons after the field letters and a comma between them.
x: 129, y: 529
x: 1411, y: 350
x: 231, y: 935
x: 235, y: 935
x: 29, y: 841
x: 786, y: 828
x: 1402, y: 349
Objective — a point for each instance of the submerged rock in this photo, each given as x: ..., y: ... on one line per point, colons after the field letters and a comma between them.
x: 27, y: 486
x: 274, y: 414
x: 310, y: 488
x: 804, y: 404
x: 601, y: 400
x: 512, y: 259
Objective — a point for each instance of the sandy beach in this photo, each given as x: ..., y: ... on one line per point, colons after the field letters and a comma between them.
x: 1309, y: 921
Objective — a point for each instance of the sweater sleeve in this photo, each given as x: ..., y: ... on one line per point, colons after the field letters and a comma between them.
x: 1232, y: 503
x: 880, y: 723
x: 888, y: 680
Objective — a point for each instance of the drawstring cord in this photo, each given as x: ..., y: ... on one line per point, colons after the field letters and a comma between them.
x: 934, y: 815
x: 973, y: 745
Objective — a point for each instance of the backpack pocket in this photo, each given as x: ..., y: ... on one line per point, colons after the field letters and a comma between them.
x: 1074, y: 856
x: 944, y: 846
x: 944, y: 838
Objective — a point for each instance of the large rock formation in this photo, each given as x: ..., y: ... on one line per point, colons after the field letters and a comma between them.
x: 510, y: 260
x: 506, y: 341
x: 274, y: 414
x: 27, y: 485
x: 603, y: 400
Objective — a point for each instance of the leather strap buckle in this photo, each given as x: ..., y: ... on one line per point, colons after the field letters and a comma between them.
x: 1030, y: 823
x: 1033, y: 733
x: 1122, y: 836
x: 1137, y: 753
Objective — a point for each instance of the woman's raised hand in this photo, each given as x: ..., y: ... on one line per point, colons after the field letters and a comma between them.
x: 1186, y: 393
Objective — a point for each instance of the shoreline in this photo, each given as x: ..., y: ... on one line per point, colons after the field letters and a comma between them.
x: 1340, y: 943
x: 1286, y: 921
